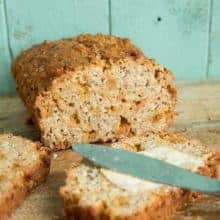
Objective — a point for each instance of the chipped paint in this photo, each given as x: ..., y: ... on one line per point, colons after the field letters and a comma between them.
x: 190, y: 16
x: 23, y: 34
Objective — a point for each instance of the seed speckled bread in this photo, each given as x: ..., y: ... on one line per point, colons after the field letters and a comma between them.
x: 23, y: 165
x: 95, y: 193
x: 93, y: 88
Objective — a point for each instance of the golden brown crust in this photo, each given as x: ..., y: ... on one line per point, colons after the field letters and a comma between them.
x: 22, y: 186
x: 161, y: 206
x: 36, y: 68
x: 212, y: 165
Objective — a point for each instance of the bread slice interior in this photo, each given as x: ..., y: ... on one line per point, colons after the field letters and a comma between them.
x: 98, y: 193
x: 23, y: 164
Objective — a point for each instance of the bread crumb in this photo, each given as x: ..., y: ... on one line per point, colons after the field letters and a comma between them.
x: 55, y: 155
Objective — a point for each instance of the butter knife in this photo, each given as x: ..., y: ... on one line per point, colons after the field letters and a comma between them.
x: 147, y: 168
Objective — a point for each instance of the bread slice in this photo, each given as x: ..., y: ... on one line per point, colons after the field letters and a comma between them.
x: 23, y: 165
x: 93, y: 88
x: 96, y: 193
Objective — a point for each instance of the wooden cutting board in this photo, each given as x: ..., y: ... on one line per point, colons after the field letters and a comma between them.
x: 199, y: 116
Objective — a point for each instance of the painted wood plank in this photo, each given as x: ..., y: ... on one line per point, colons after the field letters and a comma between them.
x: 6, y: 79
x: 172, y: 31
x: 31, y: 22
x: 214, y: 58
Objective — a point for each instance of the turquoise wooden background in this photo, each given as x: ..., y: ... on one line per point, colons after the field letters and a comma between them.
x: 184, y: 35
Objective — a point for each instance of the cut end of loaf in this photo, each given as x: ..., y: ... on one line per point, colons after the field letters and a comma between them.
x: 89, y: 192
x: 105, y: 103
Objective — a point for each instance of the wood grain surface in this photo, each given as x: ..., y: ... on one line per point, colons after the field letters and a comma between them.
x: 199, y: 117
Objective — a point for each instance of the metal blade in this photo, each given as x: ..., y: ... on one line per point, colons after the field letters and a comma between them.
x: 147, y: 168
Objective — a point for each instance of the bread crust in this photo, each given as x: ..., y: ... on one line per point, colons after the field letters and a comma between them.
x: 36, y: 68
x: 22, y: 185
x: 162, y: 205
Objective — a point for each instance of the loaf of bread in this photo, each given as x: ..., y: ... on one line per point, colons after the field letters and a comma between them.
x: 23, y: 165
x: 96, y: 193
x: 93, y: 88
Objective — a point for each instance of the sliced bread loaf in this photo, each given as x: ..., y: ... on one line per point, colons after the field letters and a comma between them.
x: 23, y: 164
x: 96, y: 193
x: 93, y: 88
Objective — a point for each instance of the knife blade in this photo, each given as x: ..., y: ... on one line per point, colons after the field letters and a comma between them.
x: 147, y: 168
